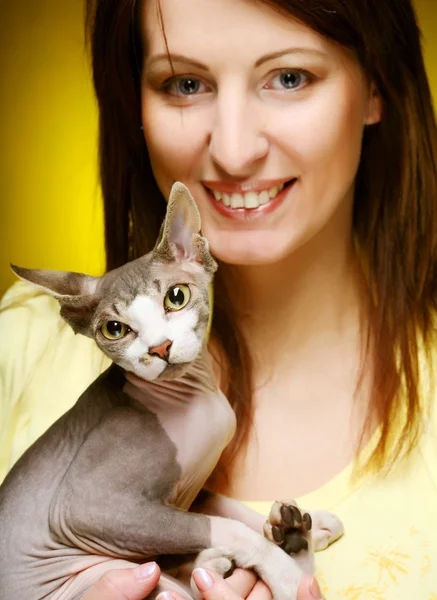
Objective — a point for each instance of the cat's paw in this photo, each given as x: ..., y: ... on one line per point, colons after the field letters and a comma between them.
x: 327, y: 528
x: 288, y: 527
x: 218, y: 560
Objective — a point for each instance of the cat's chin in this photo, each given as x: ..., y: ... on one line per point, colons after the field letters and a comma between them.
x: 173, y: 371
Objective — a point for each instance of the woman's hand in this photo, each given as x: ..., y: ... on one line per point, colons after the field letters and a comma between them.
x: 241, y: 585
x: 125, y: 584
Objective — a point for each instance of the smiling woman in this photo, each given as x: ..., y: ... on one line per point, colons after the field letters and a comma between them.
x: 306, y: 134
x: 48, y: 180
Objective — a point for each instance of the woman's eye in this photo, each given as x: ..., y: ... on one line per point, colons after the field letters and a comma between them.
x: 177, y: 297
x: 185, y: 86
x: 288, y: 80
x: 114, y: 330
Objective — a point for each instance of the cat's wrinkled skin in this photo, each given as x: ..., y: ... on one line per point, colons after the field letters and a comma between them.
x: 111, y: 482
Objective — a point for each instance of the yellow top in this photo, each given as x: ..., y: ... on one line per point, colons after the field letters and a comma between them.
x: 389, y: 551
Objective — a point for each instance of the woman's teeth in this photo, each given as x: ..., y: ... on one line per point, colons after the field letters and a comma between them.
x: 249, y: 199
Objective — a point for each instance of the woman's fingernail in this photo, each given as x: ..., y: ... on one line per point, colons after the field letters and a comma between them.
x: 145, y: 571
x: 202, y: 579
x: 165, y: 596
x: 315, y: 590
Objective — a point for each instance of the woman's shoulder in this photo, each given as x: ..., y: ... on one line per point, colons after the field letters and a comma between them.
x: 28, y: 320
x: 44, y: 367
x: 23, y: 296
x: 24, y: 304
x: 31, y: 325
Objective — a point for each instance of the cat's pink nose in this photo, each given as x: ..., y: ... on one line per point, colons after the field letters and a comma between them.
x: 162, y: 351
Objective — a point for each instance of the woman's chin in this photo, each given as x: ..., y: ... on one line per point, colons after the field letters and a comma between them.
x: 249, y: 254
x: 248, y: 247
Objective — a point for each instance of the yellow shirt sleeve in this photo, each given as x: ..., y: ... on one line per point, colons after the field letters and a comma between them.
x: 44, y: 367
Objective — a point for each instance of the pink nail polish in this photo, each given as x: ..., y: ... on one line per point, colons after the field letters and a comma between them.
x: 145, y: 571
x: 165, y: 596
x: 202, y: 579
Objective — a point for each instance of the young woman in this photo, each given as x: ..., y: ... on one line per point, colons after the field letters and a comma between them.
x: 306, y: 135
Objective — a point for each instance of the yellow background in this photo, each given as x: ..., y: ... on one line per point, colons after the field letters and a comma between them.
x: 50, y: 208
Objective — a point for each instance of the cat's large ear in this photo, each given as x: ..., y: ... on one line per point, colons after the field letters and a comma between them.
x: 75, y: 293
x: 180, y: 238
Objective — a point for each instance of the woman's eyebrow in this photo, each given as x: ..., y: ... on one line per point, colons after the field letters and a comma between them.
x: 180, y: 58
x: 292, y: 50
x: 174, y: 58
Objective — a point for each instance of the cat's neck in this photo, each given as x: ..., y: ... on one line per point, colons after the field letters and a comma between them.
x: 155, y: 395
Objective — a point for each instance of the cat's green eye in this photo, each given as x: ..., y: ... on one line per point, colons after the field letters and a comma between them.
x: 114, y: 330
x: 177, y: 297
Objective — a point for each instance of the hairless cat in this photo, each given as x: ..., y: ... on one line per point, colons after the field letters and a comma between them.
x: 112, y: 482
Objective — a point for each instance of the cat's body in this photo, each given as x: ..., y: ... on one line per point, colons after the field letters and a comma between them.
x: 97, y: 481
x: 105, y: 485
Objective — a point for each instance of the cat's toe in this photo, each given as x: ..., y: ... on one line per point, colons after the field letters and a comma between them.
x: 217, y: 559
x: 327, y: 528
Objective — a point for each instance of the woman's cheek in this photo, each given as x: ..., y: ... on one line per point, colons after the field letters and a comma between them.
x: 175, y: 135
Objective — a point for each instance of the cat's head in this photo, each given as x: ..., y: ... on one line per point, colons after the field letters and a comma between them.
x: 149, y: 316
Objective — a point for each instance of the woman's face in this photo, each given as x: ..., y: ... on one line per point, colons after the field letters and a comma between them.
x: 262, y: 119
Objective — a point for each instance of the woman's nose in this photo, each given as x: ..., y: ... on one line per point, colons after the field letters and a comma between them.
x: 237, y: 142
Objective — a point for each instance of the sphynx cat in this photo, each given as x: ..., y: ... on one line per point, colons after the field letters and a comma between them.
x: 111, y: 483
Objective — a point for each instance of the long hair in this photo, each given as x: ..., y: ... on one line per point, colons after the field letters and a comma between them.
x: 395, y: 210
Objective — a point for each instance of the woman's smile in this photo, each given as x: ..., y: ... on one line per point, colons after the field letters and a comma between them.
x: 249, y: 201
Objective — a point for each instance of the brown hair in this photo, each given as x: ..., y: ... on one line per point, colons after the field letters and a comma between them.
x: 395, y: 211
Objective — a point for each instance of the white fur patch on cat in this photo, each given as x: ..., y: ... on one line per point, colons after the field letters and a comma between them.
x: 154, y: 326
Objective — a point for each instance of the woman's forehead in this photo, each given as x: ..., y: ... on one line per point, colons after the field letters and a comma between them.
x: 209, y: 27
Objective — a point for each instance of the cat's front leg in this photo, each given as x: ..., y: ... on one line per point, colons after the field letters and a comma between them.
x: 138, y: 530
x: 235, y: 544
x: 218, y: 505
x: 142, y: 529
x: 325, y: 526
x: 299, y: 533
x: 154, y: 529
x: 223, y: 558
x: 286, y: 526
